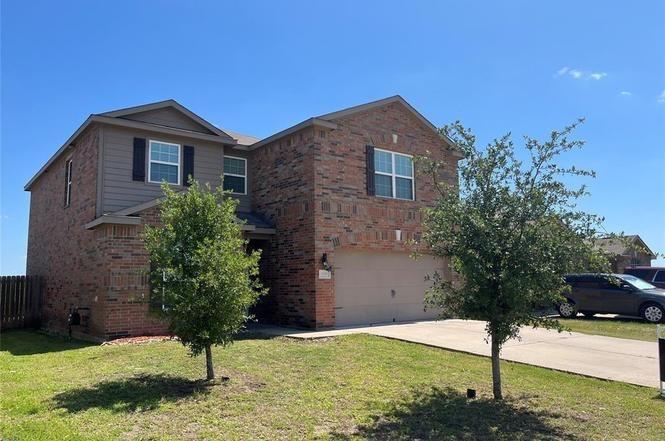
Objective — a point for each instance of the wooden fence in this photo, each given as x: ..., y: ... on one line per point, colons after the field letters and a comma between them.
x: 20, y: 301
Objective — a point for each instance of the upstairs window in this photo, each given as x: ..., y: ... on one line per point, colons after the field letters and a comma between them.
x: 164, y: 164
x: 68, y: 183
x: 235, y: 174
x: 393, y: 175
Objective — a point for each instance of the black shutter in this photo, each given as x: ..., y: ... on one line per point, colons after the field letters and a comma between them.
x: 187, y: 164
x: 138, y: 167
x: 369, y: 166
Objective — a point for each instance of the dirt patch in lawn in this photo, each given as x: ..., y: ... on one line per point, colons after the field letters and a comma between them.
x: 139, y: 340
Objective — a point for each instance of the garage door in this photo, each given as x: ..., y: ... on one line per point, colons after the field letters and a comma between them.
x: 381, y: 287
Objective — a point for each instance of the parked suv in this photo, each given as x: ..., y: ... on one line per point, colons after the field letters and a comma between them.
x: 652, y: 274
x: 613, y: 294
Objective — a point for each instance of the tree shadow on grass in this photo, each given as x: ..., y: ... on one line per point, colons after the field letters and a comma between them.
x: 445, y: 414
x: 139, y: 393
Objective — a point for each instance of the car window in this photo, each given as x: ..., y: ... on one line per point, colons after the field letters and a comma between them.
x: 636, y: 282
x: 660, y: 276
x: 611, y: 283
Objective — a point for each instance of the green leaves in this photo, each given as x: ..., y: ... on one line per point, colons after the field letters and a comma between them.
x: 200, y: 269
x: 513, y: 230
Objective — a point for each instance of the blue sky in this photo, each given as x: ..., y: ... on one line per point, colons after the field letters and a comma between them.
x: 259, y: 67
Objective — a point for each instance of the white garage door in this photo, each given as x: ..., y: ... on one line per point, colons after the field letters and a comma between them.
x: 381, y: 287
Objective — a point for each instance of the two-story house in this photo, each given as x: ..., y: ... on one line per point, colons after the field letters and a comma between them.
x: 331, y: 201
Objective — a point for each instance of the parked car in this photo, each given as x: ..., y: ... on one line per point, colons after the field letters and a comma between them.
x: 613, y: 294
x: 652, y: 274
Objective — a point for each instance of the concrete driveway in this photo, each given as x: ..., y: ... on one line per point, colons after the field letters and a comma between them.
x: 618, y: 359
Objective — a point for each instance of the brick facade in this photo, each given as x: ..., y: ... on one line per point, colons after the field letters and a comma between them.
x: 283, y: 192
x: 346, y: 217
x: 98, y: 271
x: 58, y: 247
x: 311, y: 184
x: 125, y: 288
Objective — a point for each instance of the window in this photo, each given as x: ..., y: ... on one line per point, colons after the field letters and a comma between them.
x: 235, y: 174
x: 393, y: 175
x: 68, y: 183
x: 164, y: 164
x: 659, y: 277
x: 157, y: 300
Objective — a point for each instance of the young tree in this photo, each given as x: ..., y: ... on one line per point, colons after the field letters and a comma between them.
x: 200, y: 270
x: 512, y: 231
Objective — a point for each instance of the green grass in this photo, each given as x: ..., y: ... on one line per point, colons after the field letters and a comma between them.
x: 636, y: 329
x: 350, y: 387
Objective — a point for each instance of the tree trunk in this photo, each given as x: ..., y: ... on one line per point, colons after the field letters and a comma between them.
x: 209, y: 369
x: 496, y: 370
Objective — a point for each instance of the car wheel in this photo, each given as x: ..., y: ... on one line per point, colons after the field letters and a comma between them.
x: 653, y: 313
x: 567, y: 309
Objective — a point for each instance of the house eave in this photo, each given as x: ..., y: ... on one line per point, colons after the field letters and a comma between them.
x: 456, y: 151
x: 122, y: 122
x: 311, y: 122
x: 119, y: 113
x: 134, y: 213
x: 112, y: 219
x: 59, y: 152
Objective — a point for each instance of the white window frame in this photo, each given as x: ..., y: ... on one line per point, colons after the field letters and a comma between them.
x: 68, y: 180
x: 150, y: 160
x: 394, y: 175
x: 236, y: 175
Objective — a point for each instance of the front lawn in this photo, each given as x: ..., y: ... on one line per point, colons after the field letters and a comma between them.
x: 350, y: 387
x: 636, y: 329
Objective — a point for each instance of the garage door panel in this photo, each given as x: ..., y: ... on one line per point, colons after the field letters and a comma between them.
x: 369, y: 295
x: 381, y: 287
x: 400, y: 277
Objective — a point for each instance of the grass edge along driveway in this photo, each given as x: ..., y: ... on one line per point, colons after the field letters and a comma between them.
x: 620, y: 327
x: 349, y: 387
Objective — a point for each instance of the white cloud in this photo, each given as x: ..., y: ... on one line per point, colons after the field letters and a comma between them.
x: 562, y: 71
x: 625, y: 93
x: 661, y: 97
x: 579, y: 74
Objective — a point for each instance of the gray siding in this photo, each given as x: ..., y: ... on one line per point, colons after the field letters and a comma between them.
x: 120, y: 191
x: 168, y: 117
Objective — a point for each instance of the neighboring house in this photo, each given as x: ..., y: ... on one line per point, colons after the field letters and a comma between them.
x: 338, y: 192
x: 626, y: 253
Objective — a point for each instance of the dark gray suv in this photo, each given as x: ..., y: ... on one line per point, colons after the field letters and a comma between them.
x: 613, y: 294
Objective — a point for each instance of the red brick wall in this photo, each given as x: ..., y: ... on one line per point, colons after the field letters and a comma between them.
x: 283, y: 192
x: 58, y: 247
x: 343, y: 210
x: 312, y: 186
x: 100, y: 269
x: 126, y: 289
